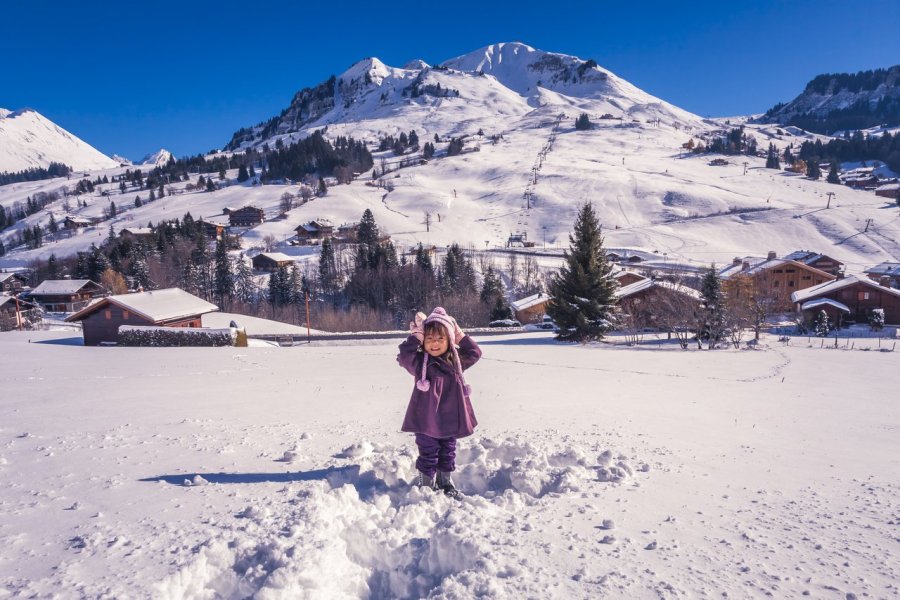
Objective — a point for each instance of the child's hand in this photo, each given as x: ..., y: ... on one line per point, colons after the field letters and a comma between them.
x: 415, y: 327
x: 458, y: 333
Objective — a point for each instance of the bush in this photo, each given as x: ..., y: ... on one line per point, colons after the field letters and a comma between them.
x: 131, y: 335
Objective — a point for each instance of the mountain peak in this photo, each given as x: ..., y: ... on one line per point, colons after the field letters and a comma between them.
x: 370, y: 68
x: 156, y: 159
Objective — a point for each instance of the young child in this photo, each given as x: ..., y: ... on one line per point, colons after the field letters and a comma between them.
x: 439, y: 410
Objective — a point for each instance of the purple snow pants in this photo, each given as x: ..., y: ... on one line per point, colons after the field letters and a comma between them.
x: 435, y: 454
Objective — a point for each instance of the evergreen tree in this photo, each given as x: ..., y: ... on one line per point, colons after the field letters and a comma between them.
x: 812, y: 169
x: 53, y: 270
x: 224, y: 283
x: 152, y: 196
x: 772, y: 161
x: 112, y: 210
x: 583, y: 122
x: 582, y: 293
x: 327, y: 268
x: 210, y: 186
x: 2, y: 248
x: 96, y: 263
x: 322, y: 190
x: 821, y: 324
x: 712, y: 315
x: 138, y: 202
x: 458, y: 272
x: 242, y: 174
x: 244, y: 284
x: 833, y: 176
x: 368, y: 230
x: 52, y: 226
x: 162, y: 192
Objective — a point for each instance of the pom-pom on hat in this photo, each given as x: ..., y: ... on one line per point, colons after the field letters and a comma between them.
x: 439, y: 315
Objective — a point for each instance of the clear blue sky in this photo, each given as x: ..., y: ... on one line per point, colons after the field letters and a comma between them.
x: 130, y: 78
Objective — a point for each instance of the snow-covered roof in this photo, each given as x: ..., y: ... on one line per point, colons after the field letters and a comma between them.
x: 138, y: 230
x: 529, y: 301
x: 77, y: 219
x: 50, y: 287
x: 888, y: 187
x: 824, y: 302
x: 646, y: 284
x: 157, y: 305
x: 10, y: 274
x: 832, y: 286
x: 885, y: 268
x: 276, y: 256
x: 765, y: 265
x: 620, y: 274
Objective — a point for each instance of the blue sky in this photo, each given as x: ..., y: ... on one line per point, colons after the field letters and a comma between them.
x: 129, y: 78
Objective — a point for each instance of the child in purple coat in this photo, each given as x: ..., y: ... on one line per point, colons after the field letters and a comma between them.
x: 439, y: 410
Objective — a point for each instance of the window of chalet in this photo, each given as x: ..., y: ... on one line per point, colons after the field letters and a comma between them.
x: 791, y: 283
x: 806, y: 277
x: 108, y: 314
x: 790, y: 270
x: 863, y: 296
x: 125, y: 314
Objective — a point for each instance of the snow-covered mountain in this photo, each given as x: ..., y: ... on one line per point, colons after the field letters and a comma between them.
x: 30, y: 140
x: 158, y: 158
x: 837, y: 101
x: 493, y: 86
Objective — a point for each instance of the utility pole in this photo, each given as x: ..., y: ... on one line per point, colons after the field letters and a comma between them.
x: 830, y: 196
x: 745, y: 167
x: 868, y: 222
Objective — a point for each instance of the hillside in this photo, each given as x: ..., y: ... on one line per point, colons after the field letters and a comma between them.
x: 30, y: 140
x: 524, y: 168
x: 838, y: 102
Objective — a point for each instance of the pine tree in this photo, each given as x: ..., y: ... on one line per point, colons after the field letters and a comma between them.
x: 583, y: 291
x: 224, y: 283
x: 368, y: 230
x: 327, y: 267
x: 53, y: 270
x: 833, y: 176
x: 138, y: 202
x: 812, y: 169
x: 244, y: 284
x: 583, y: 122
x: 322, y: 190
x: 772, y: 161
x: 52, y: 226
x: 242, y: 174
x: 712, y: 316
x: 821, y: 324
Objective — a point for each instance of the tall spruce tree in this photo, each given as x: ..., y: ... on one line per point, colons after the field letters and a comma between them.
x: 772, y: 161
x: 833, y: 176
x: 711, y: 327
x: 582, y: 293
x: 224, y: 279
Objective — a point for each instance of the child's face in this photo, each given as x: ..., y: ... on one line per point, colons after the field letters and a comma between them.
x: 436, y: 344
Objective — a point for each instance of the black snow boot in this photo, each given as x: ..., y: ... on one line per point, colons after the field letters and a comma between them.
x: 424, y: 481
x: 444, y: 482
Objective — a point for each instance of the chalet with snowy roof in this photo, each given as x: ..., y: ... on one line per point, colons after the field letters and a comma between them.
x: 137, y: 234
x: 348, y: 232
x: 12, y: 282
x: 65, y: 295
x: 776, y: 277
x: 71, y: 222
x: 172, y: 307
x: 627, y: 277
x: 818, y: 261
x: 271, y: 261
x: 530, y: 309
x: 860, y: 178
x: 14, y: 312
x: 315, y: 230
x: 889, y: 190
x: 247, y: 216
x: 650, y: 301
x: 213, y: 231
x: 886, y: 271
x: 850, y: 299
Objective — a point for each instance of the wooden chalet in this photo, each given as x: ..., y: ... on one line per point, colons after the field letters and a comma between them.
x: 12, y: 283
x: 348, y: 232
x: 886, y: 270
x: 213, y: 231
x: 777, y: 278
x: 14, y: 312
x: 65, y: 295
x: 850, y: 299
x: 888, y: 190
x: 530, y: 309
x: 271, y: 261
x: 657, y: 303
x: 71, y: 222
x: 172, y: 307
x: 627, y: 277
x: 137, y: 234
x: 247, y: 216
x: 315, y: 231
x: 818, y: 261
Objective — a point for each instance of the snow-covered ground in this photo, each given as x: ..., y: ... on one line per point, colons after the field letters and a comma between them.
x: 596, y: 471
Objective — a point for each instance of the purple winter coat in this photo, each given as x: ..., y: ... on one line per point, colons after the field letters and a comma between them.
x: 443, y: 411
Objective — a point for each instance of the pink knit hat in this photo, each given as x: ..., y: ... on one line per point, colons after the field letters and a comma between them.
x: 439, y: 315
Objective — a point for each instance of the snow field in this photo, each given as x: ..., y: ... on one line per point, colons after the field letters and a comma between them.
x: 596, y: 471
